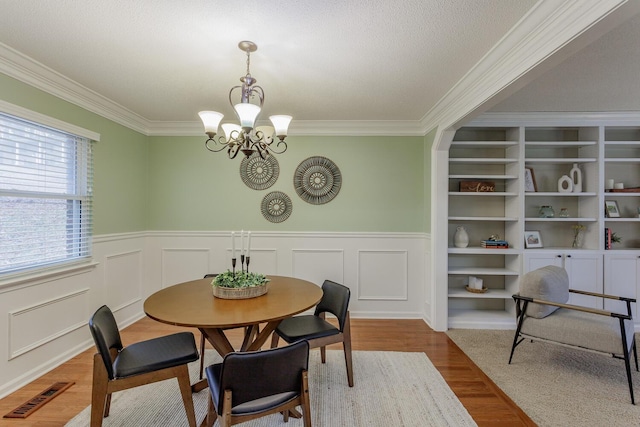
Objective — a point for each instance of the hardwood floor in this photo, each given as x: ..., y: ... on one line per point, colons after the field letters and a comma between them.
x: 486, y: 403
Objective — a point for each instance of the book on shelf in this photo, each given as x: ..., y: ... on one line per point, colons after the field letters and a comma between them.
x: 607, y: 238
x: 494, y: 244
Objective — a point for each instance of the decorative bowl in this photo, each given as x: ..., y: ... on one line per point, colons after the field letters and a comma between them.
x: 239, y: 285
x: 239, y: 293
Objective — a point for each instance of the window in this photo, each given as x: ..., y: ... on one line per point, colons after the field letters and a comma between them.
x: 46, y: 177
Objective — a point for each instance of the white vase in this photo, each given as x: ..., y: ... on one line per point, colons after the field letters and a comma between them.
x: 576, y: 176
x: 565, y: 184
x: 461, y: 237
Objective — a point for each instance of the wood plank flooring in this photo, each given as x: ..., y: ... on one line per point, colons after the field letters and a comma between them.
x: 486, y: 403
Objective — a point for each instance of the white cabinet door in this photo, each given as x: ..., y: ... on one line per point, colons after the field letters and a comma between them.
x: 585, y: 274
x: 621, y: 275
x: 535, y: 260
x: 584, y: 270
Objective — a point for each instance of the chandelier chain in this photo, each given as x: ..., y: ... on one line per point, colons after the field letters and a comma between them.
x: 248, y: 62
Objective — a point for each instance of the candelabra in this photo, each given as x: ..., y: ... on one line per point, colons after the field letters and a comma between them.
x: 243, y: 259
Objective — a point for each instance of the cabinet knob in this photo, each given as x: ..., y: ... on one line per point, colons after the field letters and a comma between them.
x: 568, y: 256
x: 558, y: 256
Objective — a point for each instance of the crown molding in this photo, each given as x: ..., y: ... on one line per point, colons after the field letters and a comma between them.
x: 545, y: 30
x: 27, y: 70
x: 561, y: 118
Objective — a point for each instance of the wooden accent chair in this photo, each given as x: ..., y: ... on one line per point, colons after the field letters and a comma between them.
x: 117, y: 368
x: 250, y: 385
x: 316, y: 330
x: 542, y: 314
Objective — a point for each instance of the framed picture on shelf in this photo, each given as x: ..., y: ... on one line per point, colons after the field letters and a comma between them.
x: 529, y: 180
x: 611, y: 209
x: 532, y: 239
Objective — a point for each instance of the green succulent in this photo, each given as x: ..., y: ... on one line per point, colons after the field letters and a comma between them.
x: 241, y: 279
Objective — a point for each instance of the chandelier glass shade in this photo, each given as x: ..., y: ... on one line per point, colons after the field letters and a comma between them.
x: 246, y: 137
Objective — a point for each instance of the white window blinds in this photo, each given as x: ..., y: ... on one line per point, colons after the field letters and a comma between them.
x: 46, y: 178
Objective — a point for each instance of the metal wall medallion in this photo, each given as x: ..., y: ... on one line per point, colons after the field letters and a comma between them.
x: 276, y: 206
x: 317, y: 180
x: 259, y: 173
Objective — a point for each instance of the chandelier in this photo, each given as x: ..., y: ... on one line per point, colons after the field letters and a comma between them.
x: 245, y: 137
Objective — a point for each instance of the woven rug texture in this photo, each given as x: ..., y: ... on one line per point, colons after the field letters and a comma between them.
x: 555, y: 385
x: 391, y: 389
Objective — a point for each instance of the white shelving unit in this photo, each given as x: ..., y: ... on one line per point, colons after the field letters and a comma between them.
x: 500, y: 154
x: 484, y: 155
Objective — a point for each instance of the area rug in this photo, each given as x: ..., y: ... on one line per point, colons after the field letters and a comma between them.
x: 391, y: 389
x: 555, y: 385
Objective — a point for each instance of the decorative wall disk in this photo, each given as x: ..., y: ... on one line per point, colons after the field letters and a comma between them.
x: 317, y: 180
x: 276, y: 206
x: 259, y: 173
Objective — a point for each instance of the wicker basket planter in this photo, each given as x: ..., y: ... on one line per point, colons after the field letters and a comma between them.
x: 239, y: 293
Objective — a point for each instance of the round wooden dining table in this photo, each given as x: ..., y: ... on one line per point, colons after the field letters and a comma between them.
x: 192, y: 304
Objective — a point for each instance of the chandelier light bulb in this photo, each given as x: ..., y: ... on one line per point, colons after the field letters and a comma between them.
x: 247, y: 113
x: 281, y: 124
x: 211, y: 120
x: 229, y: 128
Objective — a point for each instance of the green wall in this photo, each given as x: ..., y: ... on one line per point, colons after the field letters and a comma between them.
x: 382, y: 190
x: 120, y: 158
x: 174, y: 183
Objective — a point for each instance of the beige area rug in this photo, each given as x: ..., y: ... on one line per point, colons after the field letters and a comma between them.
x: 555, y: 385
x: 391, y: 389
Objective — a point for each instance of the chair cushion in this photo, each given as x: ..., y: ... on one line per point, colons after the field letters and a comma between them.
x: 549, y: 283
x: 263, y: 404
x: 155, y: 354
x: 581, y: 329
x: 305, y: 327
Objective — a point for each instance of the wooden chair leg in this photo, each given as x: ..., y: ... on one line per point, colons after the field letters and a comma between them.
x: 323, y: 354
x: 107, y: 405
x: 182, y: 375
x: 306, y: 405
x: 202, y: 342
x: 211, y: 414
x: 346, y: 344
x: 348, y: 361
x: 98, y: 391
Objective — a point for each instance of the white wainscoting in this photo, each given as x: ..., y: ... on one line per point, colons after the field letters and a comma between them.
x: 43, y: 319
x: 123, y: 274
x: 61, y: 318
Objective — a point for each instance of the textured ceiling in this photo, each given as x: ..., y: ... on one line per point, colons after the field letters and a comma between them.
x: 165, y: 60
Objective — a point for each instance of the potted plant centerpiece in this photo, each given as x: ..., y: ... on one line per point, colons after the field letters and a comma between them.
x: 239, y: 285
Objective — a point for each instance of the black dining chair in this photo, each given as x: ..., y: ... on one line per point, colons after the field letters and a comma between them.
x: 250, y: 385
x: 117, y: 368
x: 316, y: 330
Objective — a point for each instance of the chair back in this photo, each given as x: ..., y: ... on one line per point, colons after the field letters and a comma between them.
x: 106, y: 336
x: 335, y: 300
x: 258, y: 374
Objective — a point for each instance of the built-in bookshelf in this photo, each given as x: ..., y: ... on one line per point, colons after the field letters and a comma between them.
x: 523, y: 164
